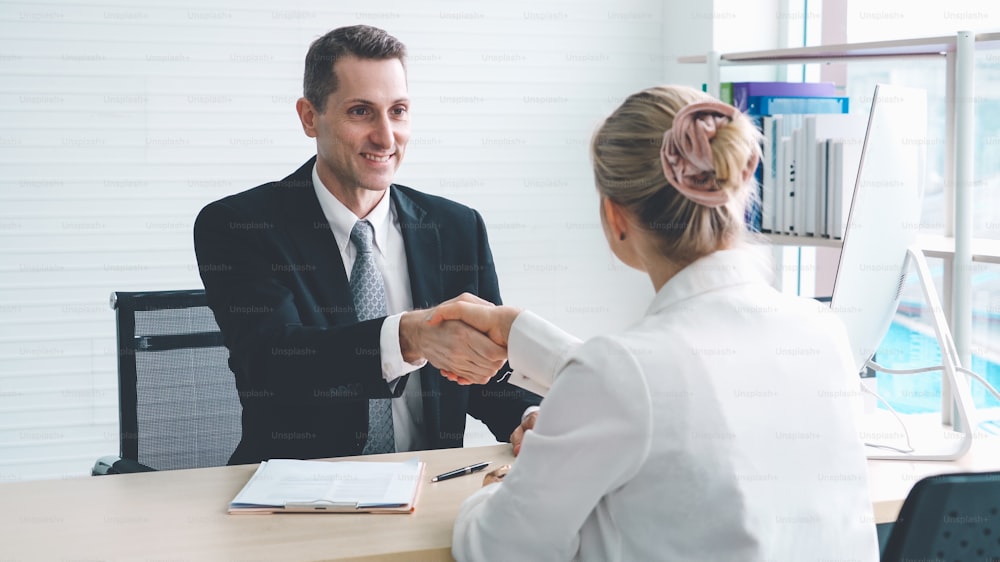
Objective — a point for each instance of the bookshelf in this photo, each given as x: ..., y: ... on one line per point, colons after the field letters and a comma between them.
x: 793, y: 240
x: 934, y: 246
x: 957, y: 247
x: 926, y: 46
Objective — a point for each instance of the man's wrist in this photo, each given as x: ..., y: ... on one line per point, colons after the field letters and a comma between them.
x: 409, y: 335
x: 511, y: 313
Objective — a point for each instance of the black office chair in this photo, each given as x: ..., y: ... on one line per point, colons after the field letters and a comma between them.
x: 948, y: 517
x: 177, y: 399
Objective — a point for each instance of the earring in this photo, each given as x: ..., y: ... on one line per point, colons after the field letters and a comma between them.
x: 621, y: 236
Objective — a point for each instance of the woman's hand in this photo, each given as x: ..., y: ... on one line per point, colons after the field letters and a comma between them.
x: 494, y: 321
x: 518, y: 435
x: 495, y: 476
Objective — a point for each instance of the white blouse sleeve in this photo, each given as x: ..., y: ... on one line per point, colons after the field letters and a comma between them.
x: 592, y: 435
x: 537, y: 348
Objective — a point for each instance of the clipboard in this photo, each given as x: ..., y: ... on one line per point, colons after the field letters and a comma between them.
x: 298, y: 486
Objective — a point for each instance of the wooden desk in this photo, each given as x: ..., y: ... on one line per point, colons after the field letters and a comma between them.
x: 181, y: 515
x: 891, y: 480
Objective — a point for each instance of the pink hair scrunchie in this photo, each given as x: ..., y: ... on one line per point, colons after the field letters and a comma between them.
x: 686, y: 153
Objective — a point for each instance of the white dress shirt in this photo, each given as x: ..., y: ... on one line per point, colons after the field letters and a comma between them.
x: 719, y: 427
x: 390, y: 258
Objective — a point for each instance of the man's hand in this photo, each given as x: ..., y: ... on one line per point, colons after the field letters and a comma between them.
x: 518, y: 436
x: 461, y: 352
x: 494, y: 321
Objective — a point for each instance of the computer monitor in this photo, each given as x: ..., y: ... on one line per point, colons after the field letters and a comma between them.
x: 884, y: 217
x: 880, y: 245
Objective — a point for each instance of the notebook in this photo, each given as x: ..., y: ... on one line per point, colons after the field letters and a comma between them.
x: 295, y: 486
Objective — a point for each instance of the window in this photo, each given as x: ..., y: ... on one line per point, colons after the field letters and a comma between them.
x: 911, y: 341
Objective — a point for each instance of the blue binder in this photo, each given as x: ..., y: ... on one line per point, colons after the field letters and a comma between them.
x: 774, y: 105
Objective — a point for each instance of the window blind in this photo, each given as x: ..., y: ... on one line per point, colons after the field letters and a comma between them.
x: 118, y: 122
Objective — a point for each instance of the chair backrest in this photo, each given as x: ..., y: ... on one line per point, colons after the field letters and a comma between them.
x: 948, y: 517
x: 177, y: 398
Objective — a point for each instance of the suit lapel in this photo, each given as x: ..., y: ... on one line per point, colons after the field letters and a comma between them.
x: 423, y: 250
x: 311, y: 234
x: 422, y: 242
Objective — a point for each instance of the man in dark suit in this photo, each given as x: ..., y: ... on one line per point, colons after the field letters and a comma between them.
x: 313, y: 281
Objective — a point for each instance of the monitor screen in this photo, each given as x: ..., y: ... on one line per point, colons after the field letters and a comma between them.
x: 884, y: 219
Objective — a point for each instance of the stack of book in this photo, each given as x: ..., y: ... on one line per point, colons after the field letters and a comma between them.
x: 811, y: 152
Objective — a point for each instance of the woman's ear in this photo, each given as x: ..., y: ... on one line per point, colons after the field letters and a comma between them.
x: 623, y: 235
x: 615, y: 216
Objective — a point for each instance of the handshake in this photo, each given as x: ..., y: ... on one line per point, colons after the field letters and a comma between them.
x: 465, y: 337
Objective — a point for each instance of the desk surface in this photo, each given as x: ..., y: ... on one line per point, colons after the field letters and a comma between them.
x: 181, y: 514
x: 890, y: 480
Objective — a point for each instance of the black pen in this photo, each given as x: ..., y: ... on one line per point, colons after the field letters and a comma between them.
x: 460, y: 471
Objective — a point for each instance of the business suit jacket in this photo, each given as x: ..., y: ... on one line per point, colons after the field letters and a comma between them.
x: 719, y: 427
x: 304, y: 367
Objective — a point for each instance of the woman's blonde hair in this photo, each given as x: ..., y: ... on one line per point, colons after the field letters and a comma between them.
x: 628, y: 170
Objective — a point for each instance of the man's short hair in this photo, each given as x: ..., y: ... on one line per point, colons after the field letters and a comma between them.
x: 362, y: 41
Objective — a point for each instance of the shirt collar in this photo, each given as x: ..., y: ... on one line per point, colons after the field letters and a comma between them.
x: 342, y: 219
x: 724, y: 268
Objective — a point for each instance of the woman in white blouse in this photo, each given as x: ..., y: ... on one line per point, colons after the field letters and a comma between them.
x: 720, y: 425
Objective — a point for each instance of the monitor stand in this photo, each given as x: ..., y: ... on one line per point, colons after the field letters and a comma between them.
x: 963, y: 422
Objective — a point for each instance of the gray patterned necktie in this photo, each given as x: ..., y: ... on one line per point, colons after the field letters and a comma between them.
x: 368, y: 291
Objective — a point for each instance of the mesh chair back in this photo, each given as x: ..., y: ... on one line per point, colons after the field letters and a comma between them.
x: 178, y: 403
x: 948, y: 517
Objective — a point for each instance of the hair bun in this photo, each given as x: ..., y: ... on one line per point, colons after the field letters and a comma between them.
x: 686, y: 153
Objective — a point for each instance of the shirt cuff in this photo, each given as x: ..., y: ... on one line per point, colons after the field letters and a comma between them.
x: 537, y: 348
x: 528, y: 411
x: 393, y: 365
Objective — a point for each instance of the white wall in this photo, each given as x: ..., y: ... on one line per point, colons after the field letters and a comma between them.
x: 118, y: 122
x: 698, y: 28
x: 901, y: 19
